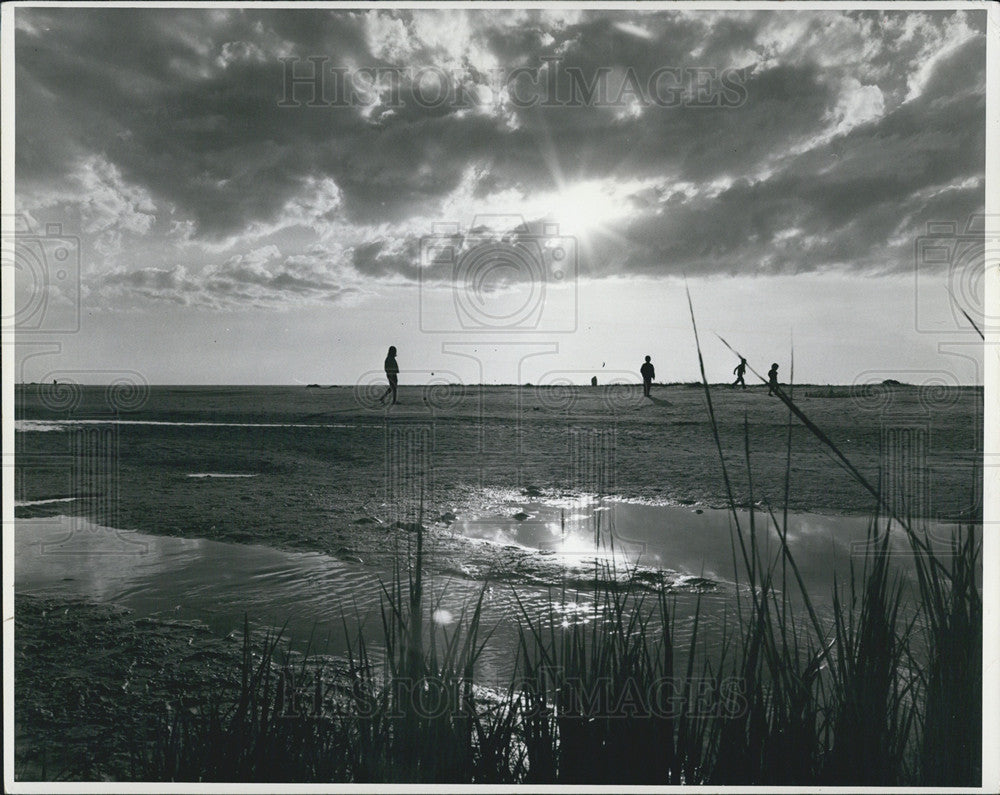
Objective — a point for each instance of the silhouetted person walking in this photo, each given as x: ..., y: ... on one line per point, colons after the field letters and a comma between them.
x: 648, y: 374
x: 772, y: 379
x: 391, y: 374
x: 740, y: 370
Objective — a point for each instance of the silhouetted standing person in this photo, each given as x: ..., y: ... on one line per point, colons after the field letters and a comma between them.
x: 391, y: 374
x: 740, y: 370
x: 648, y: 374
x: 772, y: 379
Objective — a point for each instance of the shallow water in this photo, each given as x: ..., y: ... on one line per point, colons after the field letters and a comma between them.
x: 689, y: 553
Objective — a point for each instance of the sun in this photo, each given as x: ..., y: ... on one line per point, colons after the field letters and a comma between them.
x: 586, y: 208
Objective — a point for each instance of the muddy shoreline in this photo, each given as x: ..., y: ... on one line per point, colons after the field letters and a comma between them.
x: 93, y: 684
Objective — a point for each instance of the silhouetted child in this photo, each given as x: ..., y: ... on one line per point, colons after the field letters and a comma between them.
x: 648, y: 374
x: 740, y: 369
x: 772, y: 379
x: 391, y: 374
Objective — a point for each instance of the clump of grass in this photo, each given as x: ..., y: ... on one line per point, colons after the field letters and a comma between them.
x: 883, y: 721
x: 421, y: 720
x: 609, y: 702
x: 883, y: 695
x: 267, y: 734
x: 871, y: 717
x: 412, y: 716
x: 951, y: 714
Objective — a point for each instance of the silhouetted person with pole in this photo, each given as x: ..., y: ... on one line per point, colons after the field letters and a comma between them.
x: 392, y: 374
x: 648, y: 374
x: 740, y: 369
x: 772, y: 379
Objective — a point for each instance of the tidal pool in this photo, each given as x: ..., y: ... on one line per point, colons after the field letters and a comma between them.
x: 551, y: 552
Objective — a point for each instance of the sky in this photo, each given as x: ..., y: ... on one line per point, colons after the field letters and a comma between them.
x: 266, y: 196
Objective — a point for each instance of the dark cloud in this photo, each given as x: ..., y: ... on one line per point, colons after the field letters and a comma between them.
x: 165, y: 284
x: 841, y: 203
x: 378, y: 259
